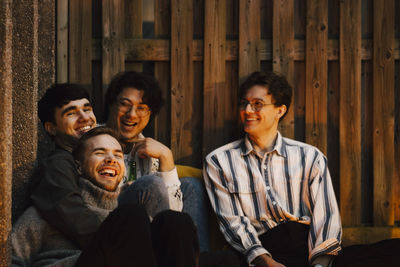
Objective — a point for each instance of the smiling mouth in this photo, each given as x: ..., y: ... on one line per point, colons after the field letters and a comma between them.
x: 108, y: 172
x: 129, y: 124
x: 84, y: 129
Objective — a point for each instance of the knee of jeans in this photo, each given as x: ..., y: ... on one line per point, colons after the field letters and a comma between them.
x: 193, y: 185
x: 152, y: 182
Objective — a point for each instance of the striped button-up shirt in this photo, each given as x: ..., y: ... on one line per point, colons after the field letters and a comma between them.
x: 251, y: 194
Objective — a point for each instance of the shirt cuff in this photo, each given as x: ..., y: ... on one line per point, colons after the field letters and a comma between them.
x: 170, y: 178
x: 330, y: 246
x: 254, y: 252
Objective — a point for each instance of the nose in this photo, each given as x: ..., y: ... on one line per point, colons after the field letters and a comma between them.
x: 110, y: 158
x: 83, y: 116
x: 248, y: 108
x: 132, y: 112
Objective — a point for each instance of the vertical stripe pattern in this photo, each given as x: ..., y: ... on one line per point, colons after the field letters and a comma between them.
x: 252, y: 194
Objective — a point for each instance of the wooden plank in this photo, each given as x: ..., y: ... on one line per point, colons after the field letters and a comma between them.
x: 182, y: 80
x: 316, y: 73
x: 249, y: 37
x: 80, y: 42
x: 214, y: 75
x: 350, y: 112
x: 134, y: 28
x: 112, y: 44
x: 62, y: 41
x: 159, y: 50
x: 366, y: 235
x: 283, y: 53
x: 162, y: 123
x: 299, y: 100
x: 333, y: 125
x: 383, y: 121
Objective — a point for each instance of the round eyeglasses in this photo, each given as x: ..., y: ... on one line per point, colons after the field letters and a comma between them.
x: 141, y: 110
x: 255, y: 105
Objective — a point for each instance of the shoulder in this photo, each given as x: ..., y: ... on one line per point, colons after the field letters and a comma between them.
x: 233, y: 147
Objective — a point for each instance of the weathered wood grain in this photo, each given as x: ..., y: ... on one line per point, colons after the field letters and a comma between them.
x: 316, y: 73
x: 383, y: 114
x: 350, y: 112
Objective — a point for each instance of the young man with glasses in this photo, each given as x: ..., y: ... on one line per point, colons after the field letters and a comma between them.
x: 273, y: 196
x: 131, y: 99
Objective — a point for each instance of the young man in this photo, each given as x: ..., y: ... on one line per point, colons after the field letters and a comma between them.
x: 66, y: 113
x: 131, y: 99
x: 273, y: 196
x: 125, y: 236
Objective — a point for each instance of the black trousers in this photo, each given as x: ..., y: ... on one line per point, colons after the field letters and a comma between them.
x: 287, y: 244
x: 126, y: 238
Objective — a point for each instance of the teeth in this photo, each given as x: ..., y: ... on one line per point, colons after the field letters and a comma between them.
x: 129, y: 124
x: 106, y: 171
x: 84, y: 128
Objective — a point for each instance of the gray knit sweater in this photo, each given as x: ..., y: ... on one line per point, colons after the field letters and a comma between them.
x: 36, y: 243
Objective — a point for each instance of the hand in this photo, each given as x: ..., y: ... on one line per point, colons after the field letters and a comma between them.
x: 266, y: 261
x: 148, y: 147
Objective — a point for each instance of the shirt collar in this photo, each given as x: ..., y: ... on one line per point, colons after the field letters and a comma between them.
x: 247, y: 147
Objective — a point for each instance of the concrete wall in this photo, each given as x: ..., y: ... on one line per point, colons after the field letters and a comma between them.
x: 27, y: 69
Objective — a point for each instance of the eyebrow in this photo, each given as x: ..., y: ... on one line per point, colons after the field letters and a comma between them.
x: 74, y: 108
x: 127, y: 99
x: 104, y: 149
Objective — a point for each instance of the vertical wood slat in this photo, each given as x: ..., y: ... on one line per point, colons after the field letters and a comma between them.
x: 316, y: 73
x: 113, y: 54
x: 350, y: 112
x: 162, y: 123
x: 80, y: 42
x: 249, y: 37
x: 283, y: 53
x: 383, y: 114
x: 134, y: 28
x: 62, y: 41
x: 181, y: 79
x: 214, y: 74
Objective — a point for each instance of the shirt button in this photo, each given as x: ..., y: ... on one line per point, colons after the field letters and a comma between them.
x: 265, y: 166
x: 273, y: 202
x: 268, y: 188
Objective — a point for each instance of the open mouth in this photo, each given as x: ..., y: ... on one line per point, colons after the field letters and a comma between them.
x: 84, y: 129
x: 129, y: 124
x: 108, y: 172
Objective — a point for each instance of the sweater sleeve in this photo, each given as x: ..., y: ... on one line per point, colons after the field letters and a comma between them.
x: 172, y: 183
x: 57, y: 197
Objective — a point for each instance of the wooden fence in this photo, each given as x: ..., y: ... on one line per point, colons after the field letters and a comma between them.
x: 340, y: 56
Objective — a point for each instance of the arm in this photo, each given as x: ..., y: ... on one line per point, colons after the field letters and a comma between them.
x: 58, y: 198
x: 236, y: 227
x: 148, y: 147
x: 325, y: 229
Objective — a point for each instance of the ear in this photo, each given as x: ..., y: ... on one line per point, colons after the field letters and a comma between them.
x: 50, y: 128
x: 281, y: 111
x: 78, y: 166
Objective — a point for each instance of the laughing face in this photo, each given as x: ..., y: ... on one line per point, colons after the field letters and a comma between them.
x: 103, y: 161
x: 71, y: 121
x: 126, y: 121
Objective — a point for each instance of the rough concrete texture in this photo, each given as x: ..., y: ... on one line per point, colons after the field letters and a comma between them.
x: 25, y: 88
x: 46, y: 64
x: 5, y: 129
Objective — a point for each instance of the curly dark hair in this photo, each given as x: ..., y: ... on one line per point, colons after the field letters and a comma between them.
x: 56, y: 96
x: 277, y: 86
x: 152, y: 93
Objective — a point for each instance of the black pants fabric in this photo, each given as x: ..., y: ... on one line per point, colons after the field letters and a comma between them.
x: 287, y: 244
x: 126, y: 238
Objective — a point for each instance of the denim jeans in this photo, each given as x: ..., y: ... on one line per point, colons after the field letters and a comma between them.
x: 151, y: 192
